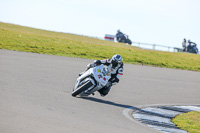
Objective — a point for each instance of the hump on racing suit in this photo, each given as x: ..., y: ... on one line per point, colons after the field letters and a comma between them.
x: 116, y: 73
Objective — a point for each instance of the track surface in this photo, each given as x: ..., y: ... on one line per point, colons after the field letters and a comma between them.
x: 35, y: 95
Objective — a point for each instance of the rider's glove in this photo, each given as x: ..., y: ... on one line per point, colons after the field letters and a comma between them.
x: 91, y: 65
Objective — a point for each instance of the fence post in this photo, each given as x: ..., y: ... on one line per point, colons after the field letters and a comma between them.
x: 154, y: 46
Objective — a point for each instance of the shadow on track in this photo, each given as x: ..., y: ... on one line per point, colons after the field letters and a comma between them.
x: 108, y: 102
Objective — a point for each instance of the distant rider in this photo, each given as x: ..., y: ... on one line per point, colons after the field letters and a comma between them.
x: 116, y: 66
x: 184, y: 44
x: 119, y: 35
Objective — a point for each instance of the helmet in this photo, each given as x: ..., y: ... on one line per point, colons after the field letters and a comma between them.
x: 116, y: 60
x: 189, y: 41
x: 118, y: 30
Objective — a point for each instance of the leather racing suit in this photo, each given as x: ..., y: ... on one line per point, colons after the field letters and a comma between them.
x: 116, y: 74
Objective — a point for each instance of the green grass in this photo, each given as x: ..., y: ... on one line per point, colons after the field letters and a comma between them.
x: 20, y: 38
x: 188, y: 121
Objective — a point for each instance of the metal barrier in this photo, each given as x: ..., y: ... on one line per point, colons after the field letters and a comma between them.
x: 149, y: 46
x: 156, y: 47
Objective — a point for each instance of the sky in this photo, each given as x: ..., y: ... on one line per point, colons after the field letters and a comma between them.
x: 164, y: 22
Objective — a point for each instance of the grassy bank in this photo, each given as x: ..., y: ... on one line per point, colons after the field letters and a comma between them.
x: 188, y: 121
x: 14, y: 37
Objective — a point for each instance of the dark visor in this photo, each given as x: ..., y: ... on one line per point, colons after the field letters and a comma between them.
x: 114, y: 63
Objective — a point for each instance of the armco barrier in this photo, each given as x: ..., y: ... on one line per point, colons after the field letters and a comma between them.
x: 143, y: 45
x: 157, y: 47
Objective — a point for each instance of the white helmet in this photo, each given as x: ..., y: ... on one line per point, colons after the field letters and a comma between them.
x: 116, y: 60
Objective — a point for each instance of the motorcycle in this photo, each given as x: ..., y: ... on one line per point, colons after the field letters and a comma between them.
x: 191, y: 49
x: 91, y: 81
x: 123, y: 38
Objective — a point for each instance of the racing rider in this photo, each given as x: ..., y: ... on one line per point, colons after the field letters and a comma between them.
x: 119, y: 36
x: 116, y: 66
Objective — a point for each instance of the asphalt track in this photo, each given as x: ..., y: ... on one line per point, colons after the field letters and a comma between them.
x: 35, y: 95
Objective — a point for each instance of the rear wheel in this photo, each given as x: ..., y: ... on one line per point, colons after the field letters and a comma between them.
x: 82, y: 88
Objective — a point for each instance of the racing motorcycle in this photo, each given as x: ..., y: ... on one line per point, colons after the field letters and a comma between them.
x: 123, y: 38
x: 91, y: 81
x: 193, y: 49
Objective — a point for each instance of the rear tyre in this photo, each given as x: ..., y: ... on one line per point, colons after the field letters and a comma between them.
x: 82, y: 88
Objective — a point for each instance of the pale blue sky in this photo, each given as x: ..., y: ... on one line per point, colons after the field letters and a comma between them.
x: 164, y: 22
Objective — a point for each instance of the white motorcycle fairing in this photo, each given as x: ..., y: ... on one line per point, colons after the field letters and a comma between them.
x: 92, y: 80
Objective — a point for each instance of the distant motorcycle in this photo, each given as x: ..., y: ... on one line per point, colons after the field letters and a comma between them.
x: 192, y: 49
x: 92, y: 80
x: 123, y: 38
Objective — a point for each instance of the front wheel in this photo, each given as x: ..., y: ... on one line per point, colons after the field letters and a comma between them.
x: 128, y: 41
x: 82, y: 88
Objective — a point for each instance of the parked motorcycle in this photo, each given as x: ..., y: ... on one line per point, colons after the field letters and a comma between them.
x: 123, y: 38
x: 91, y: 81
x: 191, y: 49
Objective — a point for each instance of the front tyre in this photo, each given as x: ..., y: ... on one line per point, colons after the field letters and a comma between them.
x: 82, y: 88
x: 128, y: 41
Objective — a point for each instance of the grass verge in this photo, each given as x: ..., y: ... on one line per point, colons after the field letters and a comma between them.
x: 20, y: 38
x: 188, y: 121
